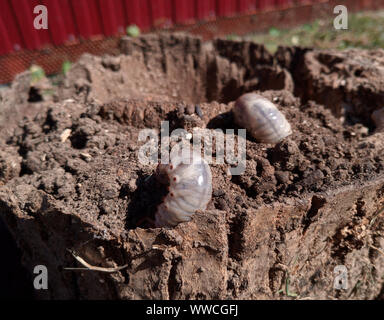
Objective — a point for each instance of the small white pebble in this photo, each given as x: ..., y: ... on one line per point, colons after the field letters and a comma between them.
x: 65, y: 135
x: 86, y: 156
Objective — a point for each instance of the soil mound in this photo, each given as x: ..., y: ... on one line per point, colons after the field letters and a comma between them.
x: 71, y: 182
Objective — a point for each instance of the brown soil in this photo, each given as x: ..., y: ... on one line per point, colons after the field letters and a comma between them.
x: 302, y: 206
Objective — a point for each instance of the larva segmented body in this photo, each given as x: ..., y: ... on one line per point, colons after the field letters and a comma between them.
x: 190, y: 189
x: 261, y: 118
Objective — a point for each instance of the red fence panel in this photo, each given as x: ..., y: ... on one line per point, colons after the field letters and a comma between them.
x: 138, y: 13
x: 10, y: 31
x: 6, y: 41
x: 87, y: 17
x: 226, y: 8
x: 282, y: 3
x: 61, y: 25
x: 183, y: 11
x: 161, y: 13
x: 121, y: 19
x: 23, y: 11
x: 69, y: 20
x: 245, y: 6
x: 265, y: 4
x: 82, y: 17
x: 205, y: 9
x: 108, y: 12
x: 94, y: 9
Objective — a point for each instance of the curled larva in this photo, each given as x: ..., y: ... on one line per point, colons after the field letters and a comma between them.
x: 261, y: 118
x: 190, y: 189
x: 378, y: 119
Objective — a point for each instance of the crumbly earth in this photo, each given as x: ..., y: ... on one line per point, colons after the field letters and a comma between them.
x: 72, y: 183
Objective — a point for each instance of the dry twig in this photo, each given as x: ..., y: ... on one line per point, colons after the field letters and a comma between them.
x: 93, y: 268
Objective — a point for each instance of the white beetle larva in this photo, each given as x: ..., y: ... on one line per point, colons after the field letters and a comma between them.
x: 261, y: 118
x: 378, y: 119
x: 190, y: 189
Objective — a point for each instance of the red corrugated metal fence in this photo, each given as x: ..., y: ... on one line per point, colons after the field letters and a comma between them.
x: 71, y: 20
